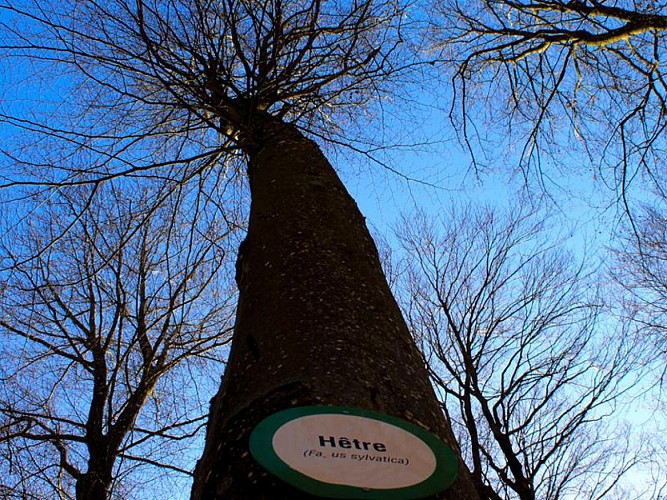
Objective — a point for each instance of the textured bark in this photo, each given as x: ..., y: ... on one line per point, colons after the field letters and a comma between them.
x: 95, y: 484
x: 316, y: 321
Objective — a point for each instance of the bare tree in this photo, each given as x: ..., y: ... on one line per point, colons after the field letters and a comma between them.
x: 557, y: 74
x: 106, y: 340
x: 639, y: 268
x: 172, y: 87
x: 515, y: 338
x: 642, y: 271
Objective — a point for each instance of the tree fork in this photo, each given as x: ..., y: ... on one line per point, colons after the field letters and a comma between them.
x: 316, y: 321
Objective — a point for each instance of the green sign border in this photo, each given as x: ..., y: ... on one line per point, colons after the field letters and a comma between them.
x: 261, y: 448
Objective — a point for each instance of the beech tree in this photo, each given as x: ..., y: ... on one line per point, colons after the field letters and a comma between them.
x: 558, y: 74
x: 106, y: 333
x: 514, y: 334
x: 172, y: 87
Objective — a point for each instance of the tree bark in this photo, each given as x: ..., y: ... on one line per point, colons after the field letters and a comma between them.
x: 95, y: 484
x: 316, y: 321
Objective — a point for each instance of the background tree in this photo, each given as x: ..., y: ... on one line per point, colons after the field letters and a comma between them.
x: 641, y: 269
x: 108, y: 337
x: 173, y: 86
x: 557, y: 74
x: 526, y: 365
x: 577, y: 86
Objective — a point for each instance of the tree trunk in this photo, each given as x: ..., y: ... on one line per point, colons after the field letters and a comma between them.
x: 316, y: 321
x: 95, y: 484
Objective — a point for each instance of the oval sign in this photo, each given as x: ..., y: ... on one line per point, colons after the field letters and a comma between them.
x: 346, y: 452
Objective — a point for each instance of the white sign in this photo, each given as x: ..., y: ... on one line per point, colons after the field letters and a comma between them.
x: 354, y: 451
x: 345, y: 452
